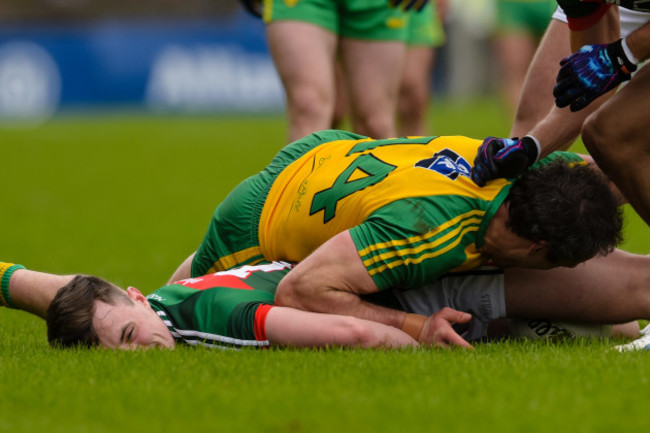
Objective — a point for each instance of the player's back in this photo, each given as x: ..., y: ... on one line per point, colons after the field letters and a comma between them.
x: 340, y: 184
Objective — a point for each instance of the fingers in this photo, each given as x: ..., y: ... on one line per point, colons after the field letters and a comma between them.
x: 453, y: 316
x: 440, y: 332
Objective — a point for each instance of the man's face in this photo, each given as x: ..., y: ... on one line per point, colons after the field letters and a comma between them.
x: 130, y: 325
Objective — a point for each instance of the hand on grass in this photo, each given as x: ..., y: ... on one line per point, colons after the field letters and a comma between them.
x: 438, y: 330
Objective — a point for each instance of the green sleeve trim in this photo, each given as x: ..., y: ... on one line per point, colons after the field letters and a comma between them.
x: 4, y: 284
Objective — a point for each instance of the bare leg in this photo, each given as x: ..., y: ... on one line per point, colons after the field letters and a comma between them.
x: 373, y: 95
x: 304, y: 55
x: 612, y: 289
x: 341, y: 100
x: 536, y: 98
x: 617, y: 138
x: 515, y: 50
x: 415, y: 91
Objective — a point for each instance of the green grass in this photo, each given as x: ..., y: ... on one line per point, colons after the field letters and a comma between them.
x: 128, y: 197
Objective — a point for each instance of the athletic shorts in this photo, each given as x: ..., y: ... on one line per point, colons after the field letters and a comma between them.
x: 236, y: 220
x: 479, y: 292
x: 425, y: 28
x: 528, y: 16
x: 630, y: 20
x: 357, y: 19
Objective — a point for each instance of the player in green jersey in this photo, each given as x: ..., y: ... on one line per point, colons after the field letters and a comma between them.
x: 363, y: 215
x: 230, y: 309
x: 235, y: 308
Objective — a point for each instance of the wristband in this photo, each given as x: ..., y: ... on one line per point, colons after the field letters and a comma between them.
x: 6, y: 271
x: 413, y: 324
x: 532, y: 147
x: 628, y: 52
x: 619, y: 58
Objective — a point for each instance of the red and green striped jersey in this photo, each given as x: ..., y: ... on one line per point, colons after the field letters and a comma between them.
x: 221, y: 310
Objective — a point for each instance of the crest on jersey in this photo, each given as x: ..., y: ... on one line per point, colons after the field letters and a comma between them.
x: 448, y: 163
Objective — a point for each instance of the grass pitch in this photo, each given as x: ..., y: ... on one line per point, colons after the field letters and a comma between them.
x: 128, y: 197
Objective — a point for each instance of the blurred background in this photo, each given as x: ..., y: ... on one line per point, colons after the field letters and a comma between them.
x: 123, y: 124
x: 178, y: 56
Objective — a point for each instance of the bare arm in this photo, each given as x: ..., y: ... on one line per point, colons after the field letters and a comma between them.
x: 560, y: 127
x: 33, y: 291
x: 331, y: 279
x: 639, y: 42
x: 291, y: 327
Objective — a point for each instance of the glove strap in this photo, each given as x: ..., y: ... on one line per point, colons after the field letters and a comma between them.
x: 619, y: 56
x: 532, y: 148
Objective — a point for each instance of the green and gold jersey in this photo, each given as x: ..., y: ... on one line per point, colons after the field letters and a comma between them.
x: 412, y: 210
x: 221, y: 310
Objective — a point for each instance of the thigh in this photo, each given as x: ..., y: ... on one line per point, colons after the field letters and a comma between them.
x: 372, y: 92
x: 624, y: 116
x: 304, y: 55
x: 610, y: 289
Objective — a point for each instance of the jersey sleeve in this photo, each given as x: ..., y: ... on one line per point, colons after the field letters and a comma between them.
x: 410, y: 243
x: 583, y: 14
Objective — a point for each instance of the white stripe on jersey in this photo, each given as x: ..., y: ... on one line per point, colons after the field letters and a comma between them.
x: 198, y: 338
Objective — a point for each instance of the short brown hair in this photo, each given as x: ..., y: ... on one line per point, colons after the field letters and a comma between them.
x: 70, y: 315
x: 570, y: 206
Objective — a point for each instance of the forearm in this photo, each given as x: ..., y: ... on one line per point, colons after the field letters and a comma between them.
x: 638, y: 42
x: 296, y: 292
x: 291, y: 327
x: 33, y: 291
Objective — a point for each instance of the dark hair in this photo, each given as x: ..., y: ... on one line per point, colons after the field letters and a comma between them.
x: 70, y: 315
x: 570, y: 206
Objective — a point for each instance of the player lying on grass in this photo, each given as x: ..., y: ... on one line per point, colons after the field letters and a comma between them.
x: 229, y: 309
x: 408, y: 207
x: 362, y: 215
x: 235, y: 308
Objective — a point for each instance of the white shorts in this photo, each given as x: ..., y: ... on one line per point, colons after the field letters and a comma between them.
x: 630, y: 20
x: 480, y: 292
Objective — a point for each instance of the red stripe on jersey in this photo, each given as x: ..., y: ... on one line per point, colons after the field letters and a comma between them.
x: 583, y: 23
x: 215, y: 280
x: 260, y: 321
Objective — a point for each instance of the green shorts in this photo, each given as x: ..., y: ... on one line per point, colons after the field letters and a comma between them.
x: 526, y: 16
x: 357, y: 19
x: 232, y: 237
x: 425, y: 28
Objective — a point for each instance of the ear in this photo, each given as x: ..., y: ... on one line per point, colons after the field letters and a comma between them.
x: 538, y: 248
x: 136, y: 295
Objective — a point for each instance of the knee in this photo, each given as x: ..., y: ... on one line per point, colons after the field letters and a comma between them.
x: 595, y: 137
x: 375, y: 125
x: 310, y: 103
x: 607, y: 142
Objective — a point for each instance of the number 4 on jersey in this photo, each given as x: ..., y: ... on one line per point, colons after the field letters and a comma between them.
x: 374, y: 171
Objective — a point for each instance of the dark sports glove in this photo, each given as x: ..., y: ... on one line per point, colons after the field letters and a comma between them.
x: 590, y: 72
x: 635, y: 5
x: 407, y: 5
x: 253, y: 7
x: 503, y: 157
